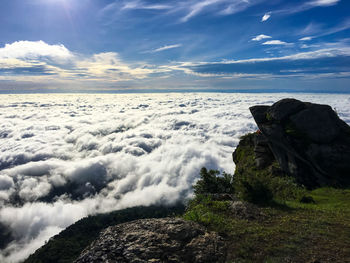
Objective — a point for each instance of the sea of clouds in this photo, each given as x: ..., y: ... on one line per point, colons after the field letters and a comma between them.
x: 64, y: 157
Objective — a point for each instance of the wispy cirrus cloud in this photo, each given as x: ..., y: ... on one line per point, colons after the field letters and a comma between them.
x: 184, y: 10
x: 291, y: 9
x: 163, y: 48
x: 133, y: 5
x: 322, y: 2
x: 337, y: 28
x: 194, y: 8
x: 143, y: 5
x: 319, y: 30
x: 303, y: 64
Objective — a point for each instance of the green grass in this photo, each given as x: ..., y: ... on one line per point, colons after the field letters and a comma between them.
x: 289, y: 230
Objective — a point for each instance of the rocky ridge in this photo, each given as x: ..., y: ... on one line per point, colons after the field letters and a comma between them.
x: 156, y: 240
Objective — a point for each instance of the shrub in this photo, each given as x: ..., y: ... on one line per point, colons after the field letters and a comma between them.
x: 211, y: 182
x: 262, y: 188
x: 307, y: 200
x: 254, y: 190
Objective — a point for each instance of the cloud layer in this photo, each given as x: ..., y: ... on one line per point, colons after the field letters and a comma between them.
x: 27, y: 65
x: 45, y: 62
x: 67, y: 156
x: 310, y: 64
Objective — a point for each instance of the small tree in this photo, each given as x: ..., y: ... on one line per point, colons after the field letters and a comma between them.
x: 213, y: 183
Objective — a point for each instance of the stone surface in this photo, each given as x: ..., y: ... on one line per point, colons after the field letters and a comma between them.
x: 245, y: 210
x: 284, y: 108
x: 309, y: 141
x: 155, y: 240
x: 262, y: 152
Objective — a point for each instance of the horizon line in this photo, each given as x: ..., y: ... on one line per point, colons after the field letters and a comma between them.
x: 149, y: 91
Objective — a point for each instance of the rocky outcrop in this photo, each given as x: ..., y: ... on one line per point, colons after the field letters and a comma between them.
x: 253, y: 156
x: 309, y: 141
x: 245, y: 210
x: 156, y: 240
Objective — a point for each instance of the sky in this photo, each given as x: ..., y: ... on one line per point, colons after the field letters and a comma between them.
x: 167, y: 45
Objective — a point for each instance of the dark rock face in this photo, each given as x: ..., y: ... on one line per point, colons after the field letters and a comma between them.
x: 262, y: 152
x: 308, y: 140
x: 155, y: 240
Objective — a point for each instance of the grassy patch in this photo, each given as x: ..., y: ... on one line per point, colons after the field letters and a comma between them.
x: 289, y: 232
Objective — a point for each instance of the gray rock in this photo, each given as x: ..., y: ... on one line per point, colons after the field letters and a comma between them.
x: 260, y: 112
x: 308, y: 140
x: 284, y: 108
x: 263, y: 154
x: 245, y: 210
x: 318, y: 122
x: 156, y: 240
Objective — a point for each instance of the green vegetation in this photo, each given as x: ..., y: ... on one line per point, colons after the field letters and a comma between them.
x: 66, y: 246
x: 254, y: 189
x: 288, y: 229
x: 211, y: 182
x: 212, y: 214
x: 295, y: 225
x: 262, y: 185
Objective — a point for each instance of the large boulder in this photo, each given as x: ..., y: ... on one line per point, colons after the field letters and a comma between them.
x: 309, y: 141
x: 156, y: 240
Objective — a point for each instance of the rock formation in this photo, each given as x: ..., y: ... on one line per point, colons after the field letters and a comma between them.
x: 156, y: 240
x: 309, y: 141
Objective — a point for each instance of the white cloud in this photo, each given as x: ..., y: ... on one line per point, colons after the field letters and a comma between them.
x: 222, y: 7
x: 34, y: 50
x: 118, y: 150
x: 166, y: 48
x: 186, y: 10
x: 218, y: 69
x: 306, y: 6
x: 45, y: 62
x: 323, y: 2
x: 265, y: 17
x: 141, y: 5
x: 309, y: 46
x: 276, y: 42
x: 237, y: 6
x: 305, y: 39
x: 318, y: 30
x: 338, y: 28
x: 108, y: 66
x: 260, y: 37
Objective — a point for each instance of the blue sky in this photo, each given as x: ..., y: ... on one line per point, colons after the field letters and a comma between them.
x: 142, y: 45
